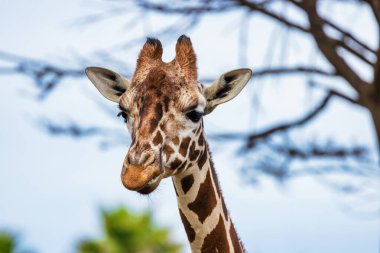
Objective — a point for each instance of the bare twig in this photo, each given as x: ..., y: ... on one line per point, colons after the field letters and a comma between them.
x: 328, y: 47
x: 350, y: 36
x: 252, y: 139
x: 46, y: 76
x: 256, y: 7
x: 292, y: 70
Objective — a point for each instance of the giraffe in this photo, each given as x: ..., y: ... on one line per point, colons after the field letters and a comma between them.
x: 163, y: 106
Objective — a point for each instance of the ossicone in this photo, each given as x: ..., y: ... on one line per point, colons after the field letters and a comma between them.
x: 151, y: 51
x: 185, y: 57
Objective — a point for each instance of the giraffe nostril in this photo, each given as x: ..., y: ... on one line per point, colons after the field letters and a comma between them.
x: 128, y: 159
x: 150, y: 159
x: 146, y: 159
x: 143, y: 159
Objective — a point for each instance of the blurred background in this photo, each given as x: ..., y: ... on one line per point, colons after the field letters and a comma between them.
x: 297, y: 152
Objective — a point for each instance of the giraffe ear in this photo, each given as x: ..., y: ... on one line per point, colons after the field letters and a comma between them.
x: 226, y: 88
x: 109, y: 83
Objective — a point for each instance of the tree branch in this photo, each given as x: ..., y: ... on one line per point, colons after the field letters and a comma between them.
x: 350, y: 36
x: 252, y: 139
x: 46, y: 76
x: 276, y: 159
x: 283, y: 127
x: 256, y: 7
x: 292, y: 70
x: 352, y: 50
x: 173, y: 9
x: 72, y: 129
x: 283, y: 71
x: 328, y: 47
x: 375, y: 6
x: 108, y: 136
x: 321, y: 151
x: 376, y: 79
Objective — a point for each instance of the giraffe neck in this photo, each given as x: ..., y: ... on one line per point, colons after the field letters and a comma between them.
x: 202, y: 209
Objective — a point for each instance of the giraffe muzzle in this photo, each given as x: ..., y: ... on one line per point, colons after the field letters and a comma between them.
x: 140, y: 178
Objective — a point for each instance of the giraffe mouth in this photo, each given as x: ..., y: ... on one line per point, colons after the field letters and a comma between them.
x: 140, y: 179
x: 151, y: 185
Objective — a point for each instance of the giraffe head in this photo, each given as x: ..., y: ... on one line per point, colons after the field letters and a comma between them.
x: 163, y: 105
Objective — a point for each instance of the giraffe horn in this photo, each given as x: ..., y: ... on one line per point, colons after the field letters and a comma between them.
x: 186, y: 58
x: 151, y: 51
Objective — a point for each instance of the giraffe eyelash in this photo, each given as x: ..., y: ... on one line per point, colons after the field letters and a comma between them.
x: 124, y: 115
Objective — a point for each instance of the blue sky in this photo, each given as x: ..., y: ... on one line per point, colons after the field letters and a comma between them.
x: 51, y: 188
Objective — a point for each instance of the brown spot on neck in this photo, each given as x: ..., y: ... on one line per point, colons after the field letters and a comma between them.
x: 187, y: 182
x: 192, y: 149
x: 202, y: 160
x: 205, y: 201
x: 201, y: 140
x: 194, y: 155
x: 175, y: 164
x: 216, y: 240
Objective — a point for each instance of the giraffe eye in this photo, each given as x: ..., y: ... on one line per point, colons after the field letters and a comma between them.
x: 124, y: 115
x: 194, y: 116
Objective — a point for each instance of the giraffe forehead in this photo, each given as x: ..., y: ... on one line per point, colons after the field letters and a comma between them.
x: 165, y: 88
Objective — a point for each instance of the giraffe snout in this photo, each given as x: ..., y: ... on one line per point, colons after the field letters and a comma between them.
x: 141, y: 159
x: 141, y: 171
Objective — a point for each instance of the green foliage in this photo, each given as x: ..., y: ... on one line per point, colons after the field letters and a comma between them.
x: 125, y: 232
x: 7, y: 242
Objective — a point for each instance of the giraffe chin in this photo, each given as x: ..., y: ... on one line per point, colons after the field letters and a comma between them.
x: 142, y: 180
x: 151, y: 186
